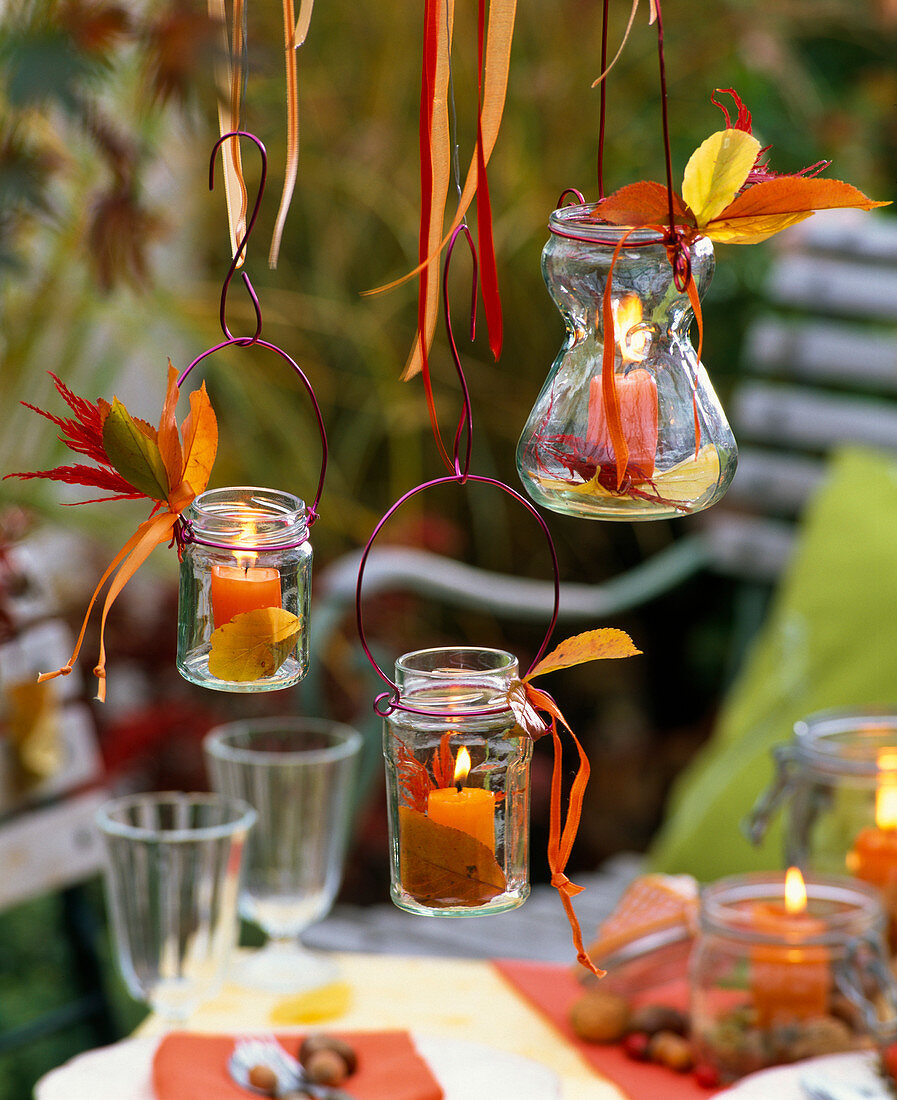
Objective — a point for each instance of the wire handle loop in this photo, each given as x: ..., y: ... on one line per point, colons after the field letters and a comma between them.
x: 465, y: 420
x: 241, y: 247
x: 241, y: 342
x: 568, y: 193
x: 391, y: 698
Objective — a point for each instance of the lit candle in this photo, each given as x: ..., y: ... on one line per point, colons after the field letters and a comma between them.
x: 791, y: 980
x: 636, y: 395
x: 470, y: 810
x: 244, y: 586
x: 873, y: 857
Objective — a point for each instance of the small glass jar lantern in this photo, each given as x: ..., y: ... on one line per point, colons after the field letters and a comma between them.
x: 457, y: 770
x: 680, y: 452
x: 245, y: 588
x: 778, y: 976
x: 837, y: 783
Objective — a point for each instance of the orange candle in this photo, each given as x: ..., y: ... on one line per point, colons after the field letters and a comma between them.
x: 238, y: 588
x: 791, y: 980
x: 873, y: 857
x: 636, y: 395
x: 470, y: 810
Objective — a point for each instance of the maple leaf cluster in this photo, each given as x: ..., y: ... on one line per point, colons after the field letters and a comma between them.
x: 729, y: 192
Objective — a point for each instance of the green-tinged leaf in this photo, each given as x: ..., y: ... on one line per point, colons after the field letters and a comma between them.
x: 253, y: 645
x: 136, y: 457
x: 716, y: 171
x: 643, y: 203
x: 526, y: 714
x: 593, y: 645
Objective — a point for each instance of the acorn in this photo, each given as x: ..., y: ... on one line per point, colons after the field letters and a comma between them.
x: 653, y: 1018
x: 264, y: 1079
x: 320, y: 1041
x: 671, y: 1050
x: 326, y: 1067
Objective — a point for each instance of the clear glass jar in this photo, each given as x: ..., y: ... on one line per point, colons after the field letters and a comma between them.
x: 769, y: 987
x: 245, y: 589
x: 681, y: 453
x: 837, y: 783
x: 457, y: 780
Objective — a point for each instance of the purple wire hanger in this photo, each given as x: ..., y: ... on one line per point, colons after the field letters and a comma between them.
x: 388, y: 701
x: 255, y: 340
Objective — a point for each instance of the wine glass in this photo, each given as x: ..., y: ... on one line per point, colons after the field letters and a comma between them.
x: 172, y: 883
x: 299, y: 774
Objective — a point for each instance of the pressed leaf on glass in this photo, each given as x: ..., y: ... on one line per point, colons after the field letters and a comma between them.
x: 443, y: 867
x: 254, y: 644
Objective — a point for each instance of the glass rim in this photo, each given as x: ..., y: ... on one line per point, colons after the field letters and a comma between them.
x: 242, y: 816
x: 347, y: 741
x: 719, y: 913
x: 449, y: 672
x: 283, y: 514
x: 815, y: 738
x: 574, y: 223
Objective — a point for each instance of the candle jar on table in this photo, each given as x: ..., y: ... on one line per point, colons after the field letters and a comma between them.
x: 457, y: 770
x: 245, y: 587
x: 771, y: 985
x: 637, y: 434
x: 837, y: 782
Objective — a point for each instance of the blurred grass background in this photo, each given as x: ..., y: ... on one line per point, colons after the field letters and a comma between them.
x: 112, y: 254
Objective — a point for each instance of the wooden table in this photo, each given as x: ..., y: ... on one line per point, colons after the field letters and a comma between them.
x: 459, y: 998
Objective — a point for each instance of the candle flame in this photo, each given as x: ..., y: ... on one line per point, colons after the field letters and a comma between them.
x: 245, y: 558
x: 886, y: 793
x: 795, y: 891
x: 462, y: 765
x: 633, y: 340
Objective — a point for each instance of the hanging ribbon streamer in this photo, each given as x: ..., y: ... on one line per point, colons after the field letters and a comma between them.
x: 291, y: 170
x: 229, y: 79
x: 495, y: 35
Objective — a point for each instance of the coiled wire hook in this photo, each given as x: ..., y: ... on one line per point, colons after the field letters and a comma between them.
x: 243, y: 341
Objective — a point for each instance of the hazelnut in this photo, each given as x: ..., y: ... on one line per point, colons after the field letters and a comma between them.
x: 264, y: 1078
x: 671, y: 1050
x: 326, y: 1067
x: 321, y: 1041
x: 600, y: 1016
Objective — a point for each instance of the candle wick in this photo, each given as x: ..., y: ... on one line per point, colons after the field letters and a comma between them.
x: 458, y: 785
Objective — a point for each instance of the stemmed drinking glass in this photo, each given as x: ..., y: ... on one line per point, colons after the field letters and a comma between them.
x: 172, y: 883
x: 299, y: 774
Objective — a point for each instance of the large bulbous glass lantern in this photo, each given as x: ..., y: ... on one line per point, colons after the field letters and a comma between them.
x: 650, y: 440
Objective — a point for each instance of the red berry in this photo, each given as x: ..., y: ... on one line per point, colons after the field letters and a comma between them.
x: 706, y: 1076
x: 635, y: 1045
x: 889, y: 1061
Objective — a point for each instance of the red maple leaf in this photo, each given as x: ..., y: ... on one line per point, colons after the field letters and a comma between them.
x: 83, y: 433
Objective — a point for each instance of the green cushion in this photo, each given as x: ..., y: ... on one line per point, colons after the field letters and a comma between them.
x: 830, y: 640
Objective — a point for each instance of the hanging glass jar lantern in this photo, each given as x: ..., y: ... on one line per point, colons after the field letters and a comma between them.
x: 245, y: 589
x: 457, y: 768
x: 649, y: 439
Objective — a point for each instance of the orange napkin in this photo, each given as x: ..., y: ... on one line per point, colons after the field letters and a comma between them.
x: 188, y: 1066
x: 552, y: 989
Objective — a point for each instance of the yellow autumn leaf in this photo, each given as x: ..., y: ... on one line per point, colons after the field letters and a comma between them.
x: 752, y: 230
x: 253, y: 645
x: 716, y: 171
x: 592, y: 645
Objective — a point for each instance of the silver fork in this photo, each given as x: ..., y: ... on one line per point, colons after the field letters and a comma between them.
x: 265, y: 1050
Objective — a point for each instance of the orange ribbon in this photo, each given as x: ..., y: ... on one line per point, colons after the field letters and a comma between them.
x: 153, y: 531
x: 561, y: 836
